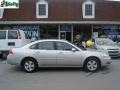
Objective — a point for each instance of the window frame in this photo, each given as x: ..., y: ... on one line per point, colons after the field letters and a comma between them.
x: 37, y: 45
x: 37, y: 9
x: 84, y: 11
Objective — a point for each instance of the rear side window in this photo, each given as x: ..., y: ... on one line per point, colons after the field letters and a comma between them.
x: 46, y: 45
x: 12, y: 35
x: 2, y: 34
x: 43, y: 46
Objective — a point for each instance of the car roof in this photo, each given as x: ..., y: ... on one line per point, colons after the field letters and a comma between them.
x: 51, y: 40
x: 11, y: 30
x: 42, y: 40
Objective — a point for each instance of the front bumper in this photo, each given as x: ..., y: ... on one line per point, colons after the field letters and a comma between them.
x: 106, y: 62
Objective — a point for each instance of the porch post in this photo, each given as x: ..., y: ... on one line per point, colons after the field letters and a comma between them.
x: 58, y: 31
x: 92, y: 31
x: 72, y: 33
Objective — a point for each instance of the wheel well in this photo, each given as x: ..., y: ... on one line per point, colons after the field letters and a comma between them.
x: 91, y: 57
x: 28, y: 58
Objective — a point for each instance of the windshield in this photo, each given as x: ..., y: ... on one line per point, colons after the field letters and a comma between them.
x: 104, y: 42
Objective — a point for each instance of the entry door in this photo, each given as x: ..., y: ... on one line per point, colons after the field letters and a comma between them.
x: 63, y: 35
x: 65, y: 55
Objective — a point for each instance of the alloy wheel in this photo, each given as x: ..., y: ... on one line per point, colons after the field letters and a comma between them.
x: 29, y: 66
x: 92, y: 65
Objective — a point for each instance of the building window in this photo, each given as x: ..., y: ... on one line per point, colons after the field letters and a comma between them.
x: 88, y: 9
x: 1, y: 13
x: 42, y: 9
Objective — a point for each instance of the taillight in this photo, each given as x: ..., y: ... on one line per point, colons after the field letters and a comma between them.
x: 10, y: 51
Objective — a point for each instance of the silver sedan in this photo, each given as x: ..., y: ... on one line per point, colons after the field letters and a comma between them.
x: 56, y: 53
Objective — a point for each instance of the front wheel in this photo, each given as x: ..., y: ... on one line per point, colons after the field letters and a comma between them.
x: 92, y: 64
x: 30, y: 65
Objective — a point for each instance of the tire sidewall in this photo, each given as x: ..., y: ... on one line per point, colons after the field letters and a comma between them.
x: 92, y: 59
x: 35, y: 65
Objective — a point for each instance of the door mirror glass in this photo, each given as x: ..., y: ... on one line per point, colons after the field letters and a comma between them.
x: 73, y: 49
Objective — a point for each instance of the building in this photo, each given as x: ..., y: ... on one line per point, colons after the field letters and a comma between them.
x: 64, y: 19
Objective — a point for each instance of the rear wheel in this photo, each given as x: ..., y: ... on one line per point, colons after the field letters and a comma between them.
x: 29, y: 65
x: 92, y: 64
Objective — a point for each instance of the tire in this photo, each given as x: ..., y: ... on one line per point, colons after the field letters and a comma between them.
x: 4, y: 56
x: 30, y: 65
x: 92, y: 64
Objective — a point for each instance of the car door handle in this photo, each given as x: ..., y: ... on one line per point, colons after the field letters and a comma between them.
x: 37, y: 52
x: 60, y: 52
x: 11, y: 43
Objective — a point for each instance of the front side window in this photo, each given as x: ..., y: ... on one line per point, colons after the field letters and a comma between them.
x: 42, y: 9
x: 88, y: 8
x: 2, y: 34
x: 12, y: 35
x: 47, y: 45
x: 63, y: 46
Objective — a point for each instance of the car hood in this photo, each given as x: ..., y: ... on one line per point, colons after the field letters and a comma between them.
x: 109, y: 47
x: 94, y: 52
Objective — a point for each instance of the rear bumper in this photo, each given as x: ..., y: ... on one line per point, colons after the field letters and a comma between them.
x: 13, y: 60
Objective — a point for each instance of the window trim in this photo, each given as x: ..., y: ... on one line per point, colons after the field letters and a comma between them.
x: 93, y: 9
x: 1, y: 14
x: 37, y: 9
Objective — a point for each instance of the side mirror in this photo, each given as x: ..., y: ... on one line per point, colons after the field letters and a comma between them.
x: 73, y: 49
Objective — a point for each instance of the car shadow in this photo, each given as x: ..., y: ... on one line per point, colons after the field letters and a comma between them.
x: 60, y: 69
x: 17, y: 69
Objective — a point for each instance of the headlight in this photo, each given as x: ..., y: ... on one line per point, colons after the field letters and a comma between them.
x: 106, y: 56
x: 102, y: 49
x: 119, y: 49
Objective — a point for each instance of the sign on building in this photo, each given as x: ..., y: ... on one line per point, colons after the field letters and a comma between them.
x: 9, y: 4
x: 31, y: 31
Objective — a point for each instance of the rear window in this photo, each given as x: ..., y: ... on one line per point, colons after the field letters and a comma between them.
x: 2, y: 34
x: 12, y: 35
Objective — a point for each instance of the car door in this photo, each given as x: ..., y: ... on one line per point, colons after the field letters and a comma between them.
x: 12, y: 39
x: 3, y: 41
x: 66, y: 56
x: 45, y: 53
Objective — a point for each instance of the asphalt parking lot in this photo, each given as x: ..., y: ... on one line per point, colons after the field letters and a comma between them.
x: 14, y: 78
